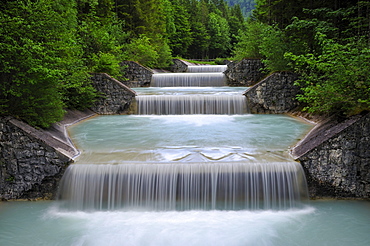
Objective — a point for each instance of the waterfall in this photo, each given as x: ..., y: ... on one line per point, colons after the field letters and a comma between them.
x: 207, y: 69
x: 188, y: 79
x: 168, y: 186
x: 191, y: 104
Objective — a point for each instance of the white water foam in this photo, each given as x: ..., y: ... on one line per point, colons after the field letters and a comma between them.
x: 180, y: 228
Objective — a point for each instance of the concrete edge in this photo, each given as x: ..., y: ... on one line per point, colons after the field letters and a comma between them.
x: 71, y: 120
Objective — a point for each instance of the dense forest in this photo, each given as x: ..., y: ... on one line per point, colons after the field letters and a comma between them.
x: 326, y: 42
x: 247, y: 6
x: 49, y: 47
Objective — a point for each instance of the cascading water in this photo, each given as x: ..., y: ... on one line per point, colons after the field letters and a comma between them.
x: 165, y: 187
x: 178, y: 180
x: 191, y: 104
x: 188, y: 79
x: 207, y: 69
x: 230, y: 185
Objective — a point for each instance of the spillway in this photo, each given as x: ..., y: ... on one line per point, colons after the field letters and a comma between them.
x: 168, y: 186
x: 191, y: 104
x: 206, y: 69
x: 188, y: 79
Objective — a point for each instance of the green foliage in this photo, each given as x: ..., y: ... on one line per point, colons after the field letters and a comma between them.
x: 142, y: 17
x: 210, y: 62
x: 141, y: 50
x: 164, y: 53
x: 202, y: 29
x: 154, y: 53
x: 29, y: 72
x: 105, y: 63
x: 219, y: 30
x: 182, y: 27
x: 236, y: 23
x: 44, y: 68
x: 48, y: 48
x: 219, y: 61
x: 77, y: 92
x: 249, y: 41
x: 328, y: 45
x: 181, y: 38
x: 201, y: 38
x: 336, y: 81
x: 102, y: 45
x: 273, y: 47
x: 261, y: 41
x: 246, y: 6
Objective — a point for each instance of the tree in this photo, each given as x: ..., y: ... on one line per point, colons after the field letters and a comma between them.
x: 249, y: 41
x: 246, y: 6
x: 198, y: 21
x: 327, y: 43
x: 336, y: 81
x: 219, y: 31
x: 44, y: 63
x: 31, y: 71
x: 141, y: 50
x: 152, y: 19
x: 236, y: 23
x: 198, y: 49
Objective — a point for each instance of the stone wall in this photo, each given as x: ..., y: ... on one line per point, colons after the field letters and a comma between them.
x: 245, y: 73
x: 137, y: 75
x: 275, y: 94
x: 336, y: 158
x: 31, y: 161
x: 180, y: 66
x: 116, y: 97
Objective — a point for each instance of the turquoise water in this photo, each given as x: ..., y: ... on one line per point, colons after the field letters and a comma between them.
x: 224, y: 90
x: 331, y: 223
x: 190, y: 138
x: 239, y: 158
x: 210, y: 139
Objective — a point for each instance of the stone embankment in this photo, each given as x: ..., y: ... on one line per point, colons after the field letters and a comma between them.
x: 336, y: 158
x: 180, y: 66
x: 136, y: 75
x: 273, y: 95
x: 116, y: 98
x: 32, y: 161
x: 245, y: 73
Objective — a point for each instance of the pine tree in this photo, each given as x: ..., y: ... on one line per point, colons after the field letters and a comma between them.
x: 181, y: 39
x: 219, y: 31
x: 29, y: 75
